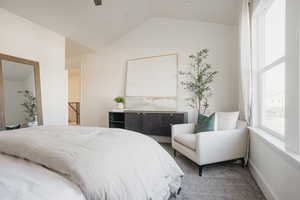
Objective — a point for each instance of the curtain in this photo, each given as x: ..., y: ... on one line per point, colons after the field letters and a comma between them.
x: 245, y: 93
x: 245, y: 102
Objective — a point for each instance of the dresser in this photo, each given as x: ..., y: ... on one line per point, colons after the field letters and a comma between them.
x: 156, y: 123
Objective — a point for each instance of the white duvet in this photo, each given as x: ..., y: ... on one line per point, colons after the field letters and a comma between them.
x: 106, y: 164
x: 22, y: 180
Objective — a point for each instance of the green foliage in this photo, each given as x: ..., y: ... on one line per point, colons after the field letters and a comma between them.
x: 29, y: 105
x: 119, y: 100
x: 198, y: 81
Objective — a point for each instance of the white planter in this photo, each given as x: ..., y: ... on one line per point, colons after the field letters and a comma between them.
x: 120, y: 105
x: 33, y: 123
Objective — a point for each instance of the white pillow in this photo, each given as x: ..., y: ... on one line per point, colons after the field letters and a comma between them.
x: 226, y: 120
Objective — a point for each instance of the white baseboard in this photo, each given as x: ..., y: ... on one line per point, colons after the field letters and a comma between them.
x: 262, y: 183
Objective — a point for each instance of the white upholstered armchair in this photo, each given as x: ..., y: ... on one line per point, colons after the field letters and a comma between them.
x: 210, y: 147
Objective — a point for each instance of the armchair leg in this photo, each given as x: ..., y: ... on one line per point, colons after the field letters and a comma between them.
x: 174, y: 153
x: 200, y: 170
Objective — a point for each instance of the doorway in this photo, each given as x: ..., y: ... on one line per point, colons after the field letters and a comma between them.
x: 74, y: 88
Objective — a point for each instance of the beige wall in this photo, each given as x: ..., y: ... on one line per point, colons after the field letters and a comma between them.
x: 22, y: 38
x: 104, y: 72
x: 74, y: 84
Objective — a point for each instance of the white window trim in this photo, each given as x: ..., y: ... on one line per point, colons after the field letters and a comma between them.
x: 273, y: 133
x: 278, y: 146
x: 263, y: 67
x: 273, y: 64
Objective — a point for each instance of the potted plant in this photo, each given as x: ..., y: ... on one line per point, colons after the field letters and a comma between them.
x: 120, y: 102
x: 30, y: 107
x: 198, y: 81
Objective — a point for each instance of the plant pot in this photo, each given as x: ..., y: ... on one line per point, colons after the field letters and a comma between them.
x: 120, y: 105
x: 34, y: 122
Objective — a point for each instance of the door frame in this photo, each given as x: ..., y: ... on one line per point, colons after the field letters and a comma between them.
x: 37, y: 81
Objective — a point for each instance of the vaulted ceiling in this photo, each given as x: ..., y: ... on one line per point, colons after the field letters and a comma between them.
x: 95, y: 27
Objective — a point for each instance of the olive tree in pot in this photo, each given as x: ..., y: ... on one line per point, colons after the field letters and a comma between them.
x: 198, y: 81
x: 30, y: 107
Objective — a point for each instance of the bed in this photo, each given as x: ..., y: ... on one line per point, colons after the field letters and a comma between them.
x: 85, y: 163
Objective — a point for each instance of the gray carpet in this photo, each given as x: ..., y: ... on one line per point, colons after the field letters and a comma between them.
x: 218, y: 182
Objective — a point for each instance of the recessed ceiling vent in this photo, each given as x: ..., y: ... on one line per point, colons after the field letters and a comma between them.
x: 98, y: 2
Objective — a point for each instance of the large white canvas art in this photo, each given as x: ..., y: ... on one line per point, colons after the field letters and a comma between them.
x: 152, y: 77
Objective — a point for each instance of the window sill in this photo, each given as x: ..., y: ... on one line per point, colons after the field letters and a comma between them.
x: 278, y: 146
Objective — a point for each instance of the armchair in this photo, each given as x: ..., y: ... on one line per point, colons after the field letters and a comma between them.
x: 206, y: 148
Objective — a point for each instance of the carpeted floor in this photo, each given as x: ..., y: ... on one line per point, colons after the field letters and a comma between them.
x: 218, y: 182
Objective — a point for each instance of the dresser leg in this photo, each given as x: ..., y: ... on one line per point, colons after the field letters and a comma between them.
x: 243, y: 162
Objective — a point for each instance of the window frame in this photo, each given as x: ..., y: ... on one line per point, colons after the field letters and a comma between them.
x: 263, y: 67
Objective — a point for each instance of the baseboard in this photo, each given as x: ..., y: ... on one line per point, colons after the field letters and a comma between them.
x: 262, y: 183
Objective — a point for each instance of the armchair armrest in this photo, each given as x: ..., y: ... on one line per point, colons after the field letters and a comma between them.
x: 241, y: 124
x: 222, y: 133
x: 182, y: 129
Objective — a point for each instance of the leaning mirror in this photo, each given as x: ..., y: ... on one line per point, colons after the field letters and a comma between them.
x: 20, y: 93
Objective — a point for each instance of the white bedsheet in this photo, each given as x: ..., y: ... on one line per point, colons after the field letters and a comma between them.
x: 111, y: 164
x: 22, y: 180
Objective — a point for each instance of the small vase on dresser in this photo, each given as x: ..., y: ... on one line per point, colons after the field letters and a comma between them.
x: 120, y: 105
x: 120, y: 102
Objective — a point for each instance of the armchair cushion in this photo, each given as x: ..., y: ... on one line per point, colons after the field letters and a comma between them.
x: 187, y: 140
x: 226, y: 120
x: 205, y: 123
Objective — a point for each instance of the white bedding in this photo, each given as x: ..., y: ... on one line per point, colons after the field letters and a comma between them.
x: 22, y: 180
x: 104, y: 163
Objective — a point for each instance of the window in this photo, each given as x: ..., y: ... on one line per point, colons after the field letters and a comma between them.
x: 272, y: 68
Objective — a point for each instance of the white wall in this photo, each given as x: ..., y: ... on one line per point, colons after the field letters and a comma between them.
x: 22, y: 38
x: 277, y: 174
x: 292, y: 77
x: 104, y: 72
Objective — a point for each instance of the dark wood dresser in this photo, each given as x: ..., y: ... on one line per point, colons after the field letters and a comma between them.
x: 154, y: 123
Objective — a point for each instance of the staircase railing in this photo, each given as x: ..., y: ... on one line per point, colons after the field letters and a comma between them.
x: 75, y: 106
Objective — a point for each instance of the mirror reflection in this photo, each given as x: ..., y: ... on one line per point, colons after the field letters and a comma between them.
x: 20, y: 108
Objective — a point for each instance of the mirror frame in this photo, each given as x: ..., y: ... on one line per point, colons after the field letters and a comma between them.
x: 37, y: 81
